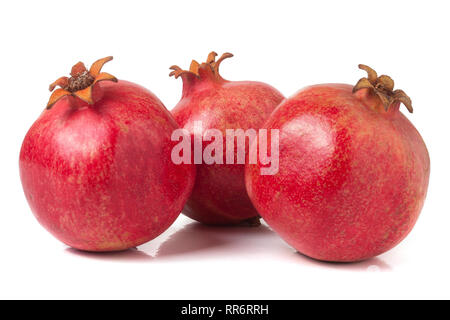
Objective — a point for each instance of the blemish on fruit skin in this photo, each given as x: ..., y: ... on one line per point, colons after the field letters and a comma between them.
x: 123, y: 127
x: 355, y: 202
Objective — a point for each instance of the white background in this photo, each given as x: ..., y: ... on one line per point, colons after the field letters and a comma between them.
x: 288, y: 44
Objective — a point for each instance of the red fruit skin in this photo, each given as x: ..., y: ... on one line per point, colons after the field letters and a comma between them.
x: 100, y: 178
x: 219, y: 196
x: 352, y: 180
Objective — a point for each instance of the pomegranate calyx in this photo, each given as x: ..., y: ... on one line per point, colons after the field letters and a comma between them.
x: 81, y: 82
x: 195, y: 69
x: 383, y: 87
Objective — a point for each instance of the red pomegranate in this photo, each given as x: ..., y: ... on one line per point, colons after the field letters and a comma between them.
x: 353, y: 171
x: 96, y: 167
x: 219, y: 196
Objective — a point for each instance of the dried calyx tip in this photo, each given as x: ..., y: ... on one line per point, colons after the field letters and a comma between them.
x: 383, y: 87
x: 80, y: 82
x: 195, y: 66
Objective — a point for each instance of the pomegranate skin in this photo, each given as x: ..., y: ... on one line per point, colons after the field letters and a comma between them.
x: 219, y: 196
x: 99, y: 177
x: 352, y: 177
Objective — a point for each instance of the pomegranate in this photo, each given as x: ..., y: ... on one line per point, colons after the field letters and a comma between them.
x: 219, y: 196
x: 353, y: 171
x: 96, y: 167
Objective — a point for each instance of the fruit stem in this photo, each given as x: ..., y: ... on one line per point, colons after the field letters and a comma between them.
x: 383, y: 87
x: 205, y: 70
x: 81, y: 82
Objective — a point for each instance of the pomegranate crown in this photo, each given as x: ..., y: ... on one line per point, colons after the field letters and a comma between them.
x: 195, y: 69
x: 81, y: 82
x: 383, y: 87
